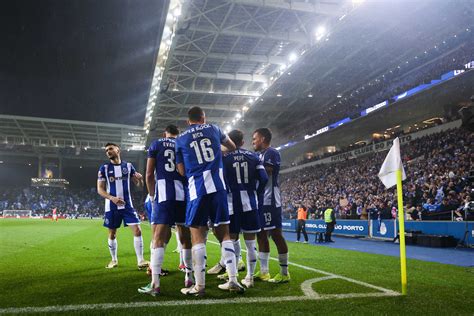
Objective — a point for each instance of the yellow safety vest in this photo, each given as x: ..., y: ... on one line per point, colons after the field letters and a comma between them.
x: 327, y: 215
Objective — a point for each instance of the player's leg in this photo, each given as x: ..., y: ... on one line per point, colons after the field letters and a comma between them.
x: 186, y: 253
x: 250, y: 226
x: 219, y: 215
x: 264, y: 244
x: 157, y: 255
x: 112, y: 241
x: 282, y: 247
x: 199, y: 256
x: 112, y: 221
x: 196, y: 219
x: 219, y: 266
x: 130, y: 218
x: 228, y: 252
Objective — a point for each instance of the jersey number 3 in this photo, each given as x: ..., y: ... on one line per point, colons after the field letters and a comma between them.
x: 170, y: 165
x: 203, y: 150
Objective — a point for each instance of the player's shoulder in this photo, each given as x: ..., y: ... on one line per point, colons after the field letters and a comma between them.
x: 249, y: 154
x: 270, y: 151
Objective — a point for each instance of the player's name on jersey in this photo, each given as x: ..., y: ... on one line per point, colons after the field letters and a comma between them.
x: 195, y: 128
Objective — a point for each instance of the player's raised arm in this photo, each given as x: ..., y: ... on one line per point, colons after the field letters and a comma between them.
x: 227, y: 142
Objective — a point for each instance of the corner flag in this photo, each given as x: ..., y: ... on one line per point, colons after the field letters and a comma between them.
x: 390, y: 166
x: 392, y: 173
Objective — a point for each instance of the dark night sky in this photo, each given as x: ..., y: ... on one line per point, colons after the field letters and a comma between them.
x: 78, y: 59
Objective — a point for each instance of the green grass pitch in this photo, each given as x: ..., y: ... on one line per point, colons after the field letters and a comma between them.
x: 57, y: 264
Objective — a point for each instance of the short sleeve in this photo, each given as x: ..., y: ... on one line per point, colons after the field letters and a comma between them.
x: 271, y: 158
x: 101, y: 174
x: 153, y: 150
x: 178, y: 153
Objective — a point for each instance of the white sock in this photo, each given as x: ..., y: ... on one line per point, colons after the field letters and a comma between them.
x: 113, y: 248
x: 228, y: 252
x: 199, y: 265
x: 138, y: 244
x: 237, y: 251
x: 157, y: 255
x: 251, y: 257
x: 222, y: 260
x: 240, y: 252
x: 263, y: 257
x: 283, y: 258
x: 188, y: 262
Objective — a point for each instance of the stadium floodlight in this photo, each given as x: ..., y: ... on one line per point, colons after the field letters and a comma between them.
x: 233, y: 121
x: 292, y: 57
x: 310, y: 95
x: 282, y: 67
x: 320, y: 32
x: 238, y: 116
x: 177, y: 11
x: 357, y: 2
x: 245, y: 108
x: 228, y: 128
x: 278, y: 94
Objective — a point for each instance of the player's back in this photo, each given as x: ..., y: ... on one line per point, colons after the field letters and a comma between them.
x: 243, y: 173
x: 240, y: 170
x: 169, y: 183
x: 198, y: 148
x: 270, y: 157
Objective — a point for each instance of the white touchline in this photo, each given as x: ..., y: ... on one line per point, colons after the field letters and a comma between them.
x: 306, y: 287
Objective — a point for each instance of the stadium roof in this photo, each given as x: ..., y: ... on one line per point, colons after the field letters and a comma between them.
x: 285, y: 64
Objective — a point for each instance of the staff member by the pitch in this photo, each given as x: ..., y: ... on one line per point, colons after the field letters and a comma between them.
x: 302, y: 216
x: 330, y: 219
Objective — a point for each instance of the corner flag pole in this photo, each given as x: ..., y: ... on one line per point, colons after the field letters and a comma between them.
x: 401, y: 221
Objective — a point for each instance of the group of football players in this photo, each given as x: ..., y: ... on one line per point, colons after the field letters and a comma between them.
x: 201, y: 179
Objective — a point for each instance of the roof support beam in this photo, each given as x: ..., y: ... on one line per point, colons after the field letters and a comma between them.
x: 221, y: 75
x: 249, y: 94
x: 333, y: 8
x: 275, y: 60
x: 293, y: 37
x: 221, y: 107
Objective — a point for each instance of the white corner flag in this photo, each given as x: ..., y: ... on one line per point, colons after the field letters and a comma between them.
x: 392, y: 163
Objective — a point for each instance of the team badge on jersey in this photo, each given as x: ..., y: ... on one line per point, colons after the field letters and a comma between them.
x: 124, y: 170
x: 111, y: 179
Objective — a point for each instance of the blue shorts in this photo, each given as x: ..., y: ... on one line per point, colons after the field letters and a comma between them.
x: 245, y: 222
x: 168, y: 213
x: 270, y: 217
x: 211, y: 207
x: 113, y: 219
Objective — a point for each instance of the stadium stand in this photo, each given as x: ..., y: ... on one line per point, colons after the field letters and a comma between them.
x: 437, y: 185
x: 70, y: 202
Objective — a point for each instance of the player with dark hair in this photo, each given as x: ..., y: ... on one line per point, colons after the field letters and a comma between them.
x: 113, y: 184
x: 166, y: 191
x: 270, y: 209
x: 199, y: 158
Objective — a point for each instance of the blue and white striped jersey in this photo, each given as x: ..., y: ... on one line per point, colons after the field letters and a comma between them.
x: 118, y: 178
x: 169, y: 183
x: 245, y: 177
x: 198, y: 148
x: 271, y: 157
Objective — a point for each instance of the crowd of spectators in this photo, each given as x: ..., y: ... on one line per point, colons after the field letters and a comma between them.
x: 438, y: 184
x: 69, y: 202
